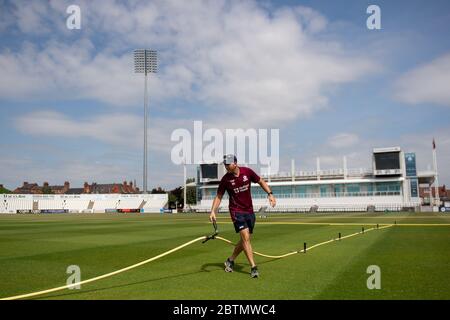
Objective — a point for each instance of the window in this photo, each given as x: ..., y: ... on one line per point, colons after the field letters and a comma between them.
x: 353, y: 188
x: 323, y: 191
x: 338, y: 189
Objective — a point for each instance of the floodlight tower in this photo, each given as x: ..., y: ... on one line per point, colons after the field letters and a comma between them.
x: 145, y: 61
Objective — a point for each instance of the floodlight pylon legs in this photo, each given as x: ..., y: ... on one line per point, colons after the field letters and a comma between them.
x: 145, y: 190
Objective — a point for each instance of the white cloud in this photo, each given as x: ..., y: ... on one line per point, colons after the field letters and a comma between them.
x: 343, y: 140
x: 121, y: 130
x: 428, y: 83
x: 238, y: 63
x: 30, y: 17
x: 69, y: 72
x: 264, y: 68
x: 115, y: 129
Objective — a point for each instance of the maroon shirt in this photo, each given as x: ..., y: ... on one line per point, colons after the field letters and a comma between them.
x: 238, y: 189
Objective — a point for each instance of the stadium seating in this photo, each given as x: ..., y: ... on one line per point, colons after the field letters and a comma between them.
x: 357, y: 203
x: 82, y: 203
x: 75, y: 204
x: 13, y: 204
x: 155, y: 202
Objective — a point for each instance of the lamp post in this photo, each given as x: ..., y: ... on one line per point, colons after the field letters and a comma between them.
x: 185, y: 186
x: 145, y: 61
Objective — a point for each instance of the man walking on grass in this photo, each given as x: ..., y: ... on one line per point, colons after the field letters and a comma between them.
x: 237, y: 182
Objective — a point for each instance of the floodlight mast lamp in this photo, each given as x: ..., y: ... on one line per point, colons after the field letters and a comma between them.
x: 145, y: 61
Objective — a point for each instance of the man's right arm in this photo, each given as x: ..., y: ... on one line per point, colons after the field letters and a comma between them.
x: 215, y: 206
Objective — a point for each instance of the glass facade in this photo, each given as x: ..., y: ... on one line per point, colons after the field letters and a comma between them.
x: 387, y: 186
x: 338, y: 189
x: 322, y: 191
x: 414, y: 188
x: 353, y: 187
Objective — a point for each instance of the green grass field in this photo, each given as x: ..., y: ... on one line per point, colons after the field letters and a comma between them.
x: 414, y: 256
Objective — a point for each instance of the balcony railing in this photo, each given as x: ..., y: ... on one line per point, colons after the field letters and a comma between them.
x: 361, y: 172
x: 320, y: 195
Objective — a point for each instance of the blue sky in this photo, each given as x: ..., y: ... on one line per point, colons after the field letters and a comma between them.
x: 71, y: 107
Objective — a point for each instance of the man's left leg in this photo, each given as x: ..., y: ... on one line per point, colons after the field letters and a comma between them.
x: 247, y: 246
x: 245, y: 239
x: 238, y: 223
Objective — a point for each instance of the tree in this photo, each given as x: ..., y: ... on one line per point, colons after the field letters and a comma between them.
x: 191, y: 195
x: 176, y: 195
x: 172, y: 200
x: 47, y: 190
x: 4, y: 190
x: 158, y: 190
